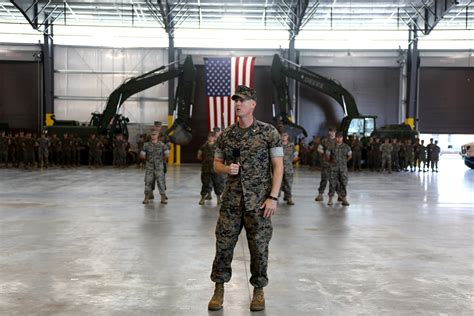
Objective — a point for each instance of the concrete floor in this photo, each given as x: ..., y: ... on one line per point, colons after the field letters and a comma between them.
x: 79, y: 242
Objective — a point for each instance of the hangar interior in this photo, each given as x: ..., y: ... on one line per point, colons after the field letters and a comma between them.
x: 79, y: 241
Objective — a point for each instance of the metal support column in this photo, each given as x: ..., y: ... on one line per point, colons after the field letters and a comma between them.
x: 413, y: 67
x: 48, y: 71
x: 293, y: 86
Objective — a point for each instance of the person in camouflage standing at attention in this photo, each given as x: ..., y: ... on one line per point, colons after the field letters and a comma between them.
x: 409, y: 155
x: 395, y: 155
x: 140, y: 143
x: 435, y: 151
x: 250, y: 152
x: 386, y: 149
x: 43, y: 151
x: 55, y: 150
x: 209, y: 178
x: 4, y: 142
x: 377, y: 154
x: 19, y: 151
x: 66, y: 150
x: 338, y: 156
x: 421, y: 156
x: 356, y: 147
x: 155, y: 152
x: 290, y: 156
x: 95, y: 151
x: 29, y: 151
x: 119, y: 153
x: 79, y: 146
x: 326, y: 144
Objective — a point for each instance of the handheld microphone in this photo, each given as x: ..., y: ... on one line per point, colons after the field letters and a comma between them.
x: 236, y: 155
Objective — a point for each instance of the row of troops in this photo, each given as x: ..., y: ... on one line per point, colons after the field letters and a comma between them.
x: 30, y: 151
x: 391, y: 155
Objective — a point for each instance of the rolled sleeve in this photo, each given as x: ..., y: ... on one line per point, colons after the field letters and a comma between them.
x: 276, y: 152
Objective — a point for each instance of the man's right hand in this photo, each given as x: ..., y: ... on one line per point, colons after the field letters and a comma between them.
x: 233, y: 169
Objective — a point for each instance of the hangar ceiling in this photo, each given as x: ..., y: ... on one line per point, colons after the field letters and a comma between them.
x: 243, y: 14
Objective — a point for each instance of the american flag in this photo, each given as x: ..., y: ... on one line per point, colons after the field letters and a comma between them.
x: 223, y: 75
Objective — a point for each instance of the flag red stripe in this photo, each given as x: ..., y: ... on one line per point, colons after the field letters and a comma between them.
x: 252, y: 63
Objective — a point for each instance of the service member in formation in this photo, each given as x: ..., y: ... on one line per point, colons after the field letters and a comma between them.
x: 386, y: 149
x: 290, y: 156
x: 326, y: 144
x: 251, y: 154
x: 356, y: 147
x: 154, y: 152
x: 43, y: 151
x: 4, y: 143
x: 338, y: 156
x: 209, y: 178
x: 435, y: 150
x: 409, y: 155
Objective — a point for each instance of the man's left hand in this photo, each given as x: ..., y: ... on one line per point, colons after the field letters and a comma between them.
x: 269, y: 208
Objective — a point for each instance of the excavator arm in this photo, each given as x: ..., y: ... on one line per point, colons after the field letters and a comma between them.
x: 183, y: 101
x: 352, y: 117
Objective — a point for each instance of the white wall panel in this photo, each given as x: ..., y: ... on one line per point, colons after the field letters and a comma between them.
x: 86, y: 76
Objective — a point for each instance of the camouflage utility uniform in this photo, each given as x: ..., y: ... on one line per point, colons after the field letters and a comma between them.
x: 409, y: 155
x: 421, y: 157
x: 43, y: 151
x: 243, y: 196
x: 326, y: 144
x: 356, y: 147
x: 155, y: 154
x: 339, y: 175
x: 4, y: 142
x: 119, y: 153
x: 386, y: 149
x: 209, y: 177
x: 289, y: 151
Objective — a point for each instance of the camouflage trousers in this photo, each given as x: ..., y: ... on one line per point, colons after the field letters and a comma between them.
x: 421, y: 163
x: 356, y: 161
x: 212, y: 180
x: 434, y: 164
x: 43, y: 155
x: 4, y: 156
x: 152, y: 175
x: 259, y: 232
x: 119, y: 159
x: 325, y: 174
x: 409, y: 162
x: 95, y: 158
x: 338, y: 181
x: 387, y: 163
x: 287, y: 184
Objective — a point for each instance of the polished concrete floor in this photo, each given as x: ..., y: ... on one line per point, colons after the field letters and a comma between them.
x: 79, y: 242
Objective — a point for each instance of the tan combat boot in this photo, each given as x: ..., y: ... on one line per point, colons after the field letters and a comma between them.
x: 201, y: 201
x: 344, y: 201
x: 208, y: 196
x: 164, y: 200
x: 217, y: 299
x: 330, y: 201
x: 151, y: 196
x: 218, y: 200
x: 319, y: 198
x: 147, y: 199
x: 258, y: 300
x: 289, y: 201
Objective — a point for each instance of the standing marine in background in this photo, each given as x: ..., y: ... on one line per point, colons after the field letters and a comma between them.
x: 356, y: 147
x: 421, y: 156
x: 338, y: 156
x: 119, y: 152
x: 43, y: 151
x: 325, y: 145
x: 409, y: 155
x: 209, y: 178
x: 154, y: 152
x: 435, y: 150
x: 387, y: 152
x: 290, y: 155
x: 4, y: 143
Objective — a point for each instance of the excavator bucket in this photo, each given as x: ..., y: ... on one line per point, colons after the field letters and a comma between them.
x: 180, y: 133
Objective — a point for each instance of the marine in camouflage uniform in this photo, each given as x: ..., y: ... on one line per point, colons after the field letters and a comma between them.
x: 435, y: 150
x: 377, y: 154
x: 19, y: 151
x: 421, y: 156
x: 326, y: 144
x: 289, y: 157
x: 356, y: 147
x: 56, y: 149
x: 43, y: 151
x: 386, y: 149
x: 29, y: 151
x: 409, y: 155
x: 338, y: 156
x: 250, y: 152
x: 209, y: 177
x: 95, y: 152
x: 66, y: 150
x: 395, y: 155
x: 120, y: 152
x: 155, y: 152
x: 4, y: 142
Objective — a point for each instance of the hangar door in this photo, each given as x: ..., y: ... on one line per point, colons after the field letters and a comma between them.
x: 446, y: 100
x: 20, y: 95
